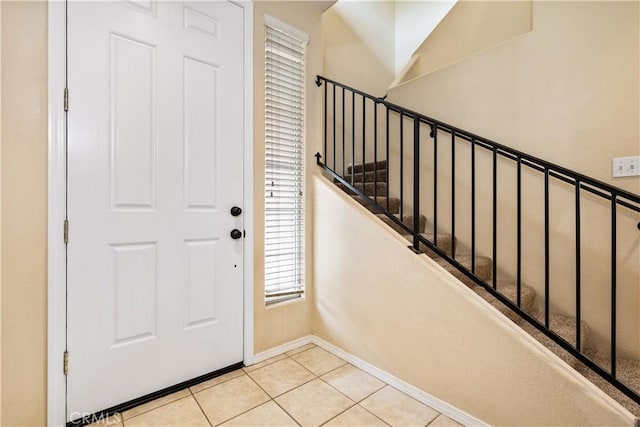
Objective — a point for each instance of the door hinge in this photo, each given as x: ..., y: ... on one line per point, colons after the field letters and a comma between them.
x: 65, y: 363
x: 66, y: 231
x: 66, y: 99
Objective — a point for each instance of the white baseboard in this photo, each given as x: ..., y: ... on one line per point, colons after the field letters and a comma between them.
x: 275, y: 351
x: 429, y: 400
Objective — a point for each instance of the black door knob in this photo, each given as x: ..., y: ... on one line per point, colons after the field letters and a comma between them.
x: 236, y: 234
x: 235, y: 211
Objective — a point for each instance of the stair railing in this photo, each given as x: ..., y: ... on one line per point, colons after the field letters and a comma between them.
x: 346, y: 115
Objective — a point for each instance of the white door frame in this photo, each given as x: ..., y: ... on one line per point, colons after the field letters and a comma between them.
x: 56, y: 325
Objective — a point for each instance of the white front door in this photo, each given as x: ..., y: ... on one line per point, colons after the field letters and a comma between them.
x: 155, y: 154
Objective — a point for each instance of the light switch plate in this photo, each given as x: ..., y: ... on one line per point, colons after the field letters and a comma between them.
x: 626, y: 166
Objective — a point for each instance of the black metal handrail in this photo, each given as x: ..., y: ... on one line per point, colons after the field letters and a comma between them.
x: 616, y: 197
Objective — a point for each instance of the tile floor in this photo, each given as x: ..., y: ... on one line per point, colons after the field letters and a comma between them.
x: 307, y: 386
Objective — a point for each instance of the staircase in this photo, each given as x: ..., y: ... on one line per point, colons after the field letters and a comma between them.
x: 370, y: 179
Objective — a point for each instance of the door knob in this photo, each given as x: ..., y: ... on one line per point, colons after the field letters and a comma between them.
x: 236, y: 234
x: 235, y: 211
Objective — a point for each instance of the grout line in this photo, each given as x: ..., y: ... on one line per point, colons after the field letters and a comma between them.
x: 286, y: 412
x: 249, y: 409
x: 272, y: 399
x: 206, y: 417
x: 353, y: 400
x: 285, y: 392
x: 437, y: 416
x: 374, y: 414
x: 340, y: 413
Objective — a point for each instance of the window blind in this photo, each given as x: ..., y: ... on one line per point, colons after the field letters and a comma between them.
x: 284, y: 165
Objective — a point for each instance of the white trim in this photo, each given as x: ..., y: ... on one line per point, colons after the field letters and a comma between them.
x: 248, y: 181
x: 56, y: 318
x: 284, y: 27
x: 275, y: 351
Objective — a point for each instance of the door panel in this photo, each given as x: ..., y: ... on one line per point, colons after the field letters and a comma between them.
x: 155, y: 164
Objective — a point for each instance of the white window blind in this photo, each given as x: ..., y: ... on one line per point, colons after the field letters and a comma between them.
x: 284, y: 168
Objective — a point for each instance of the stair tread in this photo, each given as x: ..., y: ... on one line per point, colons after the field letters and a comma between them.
x: 627, y: 369
x: 509, y: 290
x: 483, y: 266
x: 371, y: 176
x: 368, y: 166
x: 407, y: 220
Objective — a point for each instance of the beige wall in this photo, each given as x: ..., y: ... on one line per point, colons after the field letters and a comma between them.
x: 353, y: 45
x: 24, y: 213
x: 476, y: 25
x: 403, y: 314
x: 415, y: 20
x: 284, y: 322
x: 351, y: 56
x: 566, y: 92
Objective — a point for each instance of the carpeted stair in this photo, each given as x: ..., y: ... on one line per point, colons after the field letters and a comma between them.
x: 375, y: 176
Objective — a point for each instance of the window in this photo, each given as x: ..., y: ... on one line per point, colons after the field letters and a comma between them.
x: 284, y: 166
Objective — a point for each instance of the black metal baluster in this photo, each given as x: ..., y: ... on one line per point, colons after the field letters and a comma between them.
x: 334, y: 127
x: 416, y: 184
x: 387, y: 157
x: 546, y: 247
x: 453, y: 192
x: 473, y: 207
x: 375, y: 150
x: 364, y: 136
x: 435, y: 184
x: 614, y: 270
x: 344, y: 166
x: 401, y: 163
x: 325, y: 121
x: 578, y: 284
x: 353, y: 137
x: 519, y: 235
x: 494, y: 268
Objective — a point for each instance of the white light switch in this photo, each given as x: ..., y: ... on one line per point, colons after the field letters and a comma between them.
x: 626, y: 166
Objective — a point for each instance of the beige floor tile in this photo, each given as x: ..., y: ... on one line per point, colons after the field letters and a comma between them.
x: 444, y: 421
x: 267, y: 415
x: 229, y: 399
x: 300, y: 349
x: 183, y: 412
x: 353, y: 382
x: 398, y: 409
x: 318, y: 360
x: 314, y: 403
x: 155, y: 404
x: 265, y: 363
x: 218, y: 380
x: 281, y: 376
x: 112, y: 421
x: 355, y: 417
